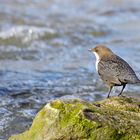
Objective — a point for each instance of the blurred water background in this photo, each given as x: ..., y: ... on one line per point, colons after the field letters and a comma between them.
x: 44, y: 52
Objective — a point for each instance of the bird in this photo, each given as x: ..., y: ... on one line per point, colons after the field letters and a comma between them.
x: 113, y: 70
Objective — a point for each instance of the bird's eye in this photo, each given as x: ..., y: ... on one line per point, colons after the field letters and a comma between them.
x: 96, y: 50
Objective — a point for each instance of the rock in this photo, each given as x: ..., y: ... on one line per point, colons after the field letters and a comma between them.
x: 116, y: 118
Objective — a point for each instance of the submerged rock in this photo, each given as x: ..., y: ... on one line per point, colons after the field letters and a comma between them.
x: 116, y: 118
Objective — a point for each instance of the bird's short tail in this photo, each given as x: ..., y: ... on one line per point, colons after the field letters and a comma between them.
x: 138, y: 81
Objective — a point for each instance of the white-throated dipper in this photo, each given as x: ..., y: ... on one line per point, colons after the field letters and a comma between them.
x: 113, y: 70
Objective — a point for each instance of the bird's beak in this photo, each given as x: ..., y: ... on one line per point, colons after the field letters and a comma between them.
x: 90, y: 50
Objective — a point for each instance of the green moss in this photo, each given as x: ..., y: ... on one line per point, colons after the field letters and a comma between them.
x: 117, y: 118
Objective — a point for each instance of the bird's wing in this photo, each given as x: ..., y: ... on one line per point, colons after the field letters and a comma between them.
x: 108, y: 71
x: 117, y: 68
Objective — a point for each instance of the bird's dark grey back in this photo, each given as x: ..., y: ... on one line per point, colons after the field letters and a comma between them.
x: 117, y: 67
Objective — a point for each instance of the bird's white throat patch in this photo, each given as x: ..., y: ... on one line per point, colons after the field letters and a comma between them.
x: 97, y: 60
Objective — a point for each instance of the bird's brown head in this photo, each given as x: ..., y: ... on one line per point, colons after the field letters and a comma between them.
x: 101, y: 51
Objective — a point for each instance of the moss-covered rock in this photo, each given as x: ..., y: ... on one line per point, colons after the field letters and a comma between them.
x: 116, y: 118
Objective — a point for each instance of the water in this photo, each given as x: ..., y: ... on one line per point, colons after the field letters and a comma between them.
x: 44, y: 52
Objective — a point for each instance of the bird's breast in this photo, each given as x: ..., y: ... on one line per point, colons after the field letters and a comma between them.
x: 97, y: 60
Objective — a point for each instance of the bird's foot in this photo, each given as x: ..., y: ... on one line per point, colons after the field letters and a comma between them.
x: 108, y: 97
x: 120, y: 95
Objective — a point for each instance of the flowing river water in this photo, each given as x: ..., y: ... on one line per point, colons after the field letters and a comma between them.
x: 44, y: 53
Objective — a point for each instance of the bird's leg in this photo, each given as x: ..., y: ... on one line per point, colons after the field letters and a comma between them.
x: 110, y: 88
x: 122, y: 90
